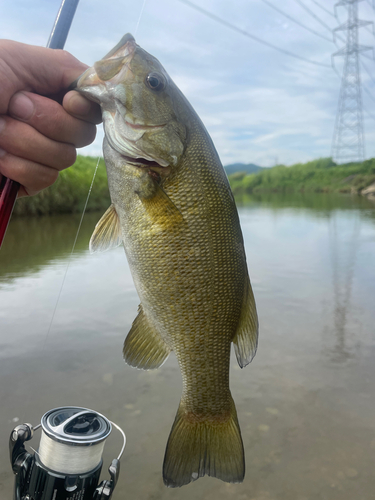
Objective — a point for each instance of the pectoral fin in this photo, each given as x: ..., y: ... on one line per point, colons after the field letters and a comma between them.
x: 107, y: 232
x: 246, y: 338
x: 160, y: 207
x: 143, y: 347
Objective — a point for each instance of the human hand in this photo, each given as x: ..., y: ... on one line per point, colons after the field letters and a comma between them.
x: 38, y: 135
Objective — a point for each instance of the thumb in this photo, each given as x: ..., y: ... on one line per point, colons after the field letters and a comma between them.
x: 36, y: 69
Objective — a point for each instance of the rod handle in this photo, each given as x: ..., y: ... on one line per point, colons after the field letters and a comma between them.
x: 8, y: 196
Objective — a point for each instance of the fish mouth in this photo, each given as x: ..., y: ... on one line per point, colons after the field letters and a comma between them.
x: 141, y: 126
x: 152, y: 165
x: 123, y: 135
x: 132, y: 154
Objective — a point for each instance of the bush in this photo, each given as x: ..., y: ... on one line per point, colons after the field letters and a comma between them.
x: 69, y: 193
x: 321, y: 175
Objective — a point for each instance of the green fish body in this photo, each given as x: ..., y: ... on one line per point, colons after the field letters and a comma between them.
x: 173, y: 209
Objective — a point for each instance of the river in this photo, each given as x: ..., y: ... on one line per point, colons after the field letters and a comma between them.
x: 306, y: 404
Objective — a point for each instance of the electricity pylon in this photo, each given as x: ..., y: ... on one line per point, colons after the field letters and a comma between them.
x: 348, y: 138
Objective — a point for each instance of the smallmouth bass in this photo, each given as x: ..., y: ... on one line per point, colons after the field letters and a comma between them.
x: 173, y: 210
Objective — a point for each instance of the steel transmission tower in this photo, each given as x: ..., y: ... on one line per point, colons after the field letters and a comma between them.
x: 348, y: 139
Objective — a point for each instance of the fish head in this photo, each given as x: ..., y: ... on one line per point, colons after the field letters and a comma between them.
x: 140, y: 106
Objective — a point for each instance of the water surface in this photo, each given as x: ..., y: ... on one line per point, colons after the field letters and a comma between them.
x: 306, y: 404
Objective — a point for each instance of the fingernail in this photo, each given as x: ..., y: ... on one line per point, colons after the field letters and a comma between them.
x: 21, y: 107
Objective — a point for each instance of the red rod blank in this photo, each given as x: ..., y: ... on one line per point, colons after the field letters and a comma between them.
x: 8, y: 195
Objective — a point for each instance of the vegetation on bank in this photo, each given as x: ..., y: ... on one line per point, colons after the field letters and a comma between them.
x: 69, y: 193
x: 316, y: 176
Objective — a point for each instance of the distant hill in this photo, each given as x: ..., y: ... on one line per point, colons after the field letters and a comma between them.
x: 321, y: 175
x: 249, y: 168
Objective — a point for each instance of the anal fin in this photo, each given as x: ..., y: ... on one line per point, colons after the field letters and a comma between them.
x: 246, y: 339
x: 143, y: 347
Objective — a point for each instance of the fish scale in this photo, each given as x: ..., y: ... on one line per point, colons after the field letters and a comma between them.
x: 184, y: 245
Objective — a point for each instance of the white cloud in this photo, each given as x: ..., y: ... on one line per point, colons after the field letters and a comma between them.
x: 257, y: 103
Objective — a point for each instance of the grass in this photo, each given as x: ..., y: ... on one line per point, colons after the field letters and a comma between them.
x: 69, y: 193
x: 317, y: 176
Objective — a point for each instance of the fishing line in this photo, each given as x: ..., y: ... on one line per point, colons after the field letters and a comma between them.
x: 83, y: 213
x: 139, y: 19
x: 71, y: 254
x: 60, y: 456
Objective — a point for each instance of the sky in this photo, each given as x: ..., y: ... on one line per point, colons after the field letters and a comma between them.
x: 259, y: 105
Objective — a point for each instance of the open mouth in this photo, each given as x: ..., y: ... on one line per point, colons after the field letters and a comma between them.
x: 143, y: 163
x: 155, y: 170
x: 143, y: 126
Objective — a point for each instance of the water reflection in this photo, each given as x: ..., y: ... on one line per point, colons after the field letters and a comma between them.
x: 320, y: 205
x: 306, y: 403
x: 344, y: 252
x: 33, y: 242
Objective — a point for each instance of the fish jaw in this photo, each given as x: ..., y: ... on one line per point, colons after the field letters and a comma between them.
x: 97, y: 82
x: 132, y: 130
x: 117, y: 128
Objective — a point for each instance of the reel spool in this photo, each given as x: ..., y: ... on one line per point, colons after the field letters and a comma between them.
x: 69, y: 460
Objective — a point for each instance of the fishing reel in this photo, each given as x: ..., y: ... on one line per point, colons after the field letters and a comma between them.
x: 68, y: 463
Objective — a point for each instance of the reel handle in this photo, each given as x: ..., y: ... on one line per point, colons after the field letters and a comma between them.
x: 19, y: 457
x: 105, y: 489
x: 17, y: 451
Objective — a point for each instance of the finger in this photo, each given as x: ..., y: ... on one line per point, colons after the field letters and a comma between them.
x: 32, y: 176
x: 41, y: 70
x: 50, y: 119
x: 77, y: 105
x: 24, y: 141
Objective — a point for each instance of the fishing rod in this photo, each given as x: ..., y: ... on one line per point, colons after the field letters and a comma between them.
x: 8, y: 187
x: 68, y: 462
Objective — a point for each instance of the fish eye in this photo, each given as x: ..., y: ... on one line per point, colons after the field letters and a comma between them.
x: 155, y: 81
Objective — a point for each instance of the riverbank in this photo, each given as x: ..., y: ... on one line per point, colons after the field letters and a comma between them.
x: 69, y: 193
x: 318, y: 176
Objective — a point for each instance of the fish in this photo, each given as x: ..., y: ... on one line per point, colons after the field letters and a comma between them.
x: 173, y: 210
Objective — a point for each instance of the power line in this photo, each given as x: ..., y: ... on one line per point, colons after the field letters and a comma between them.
x: 297, y: 22
x: 316, y: 17
x: 249, y: 35
x: 321, y: 6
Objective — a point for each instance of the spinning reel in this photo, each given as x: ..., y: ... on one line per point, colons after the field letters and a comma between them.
x: 68, y: 463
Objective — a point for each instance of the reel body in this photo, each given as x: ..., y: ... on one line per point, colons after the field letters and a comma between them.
x: 68, y: 464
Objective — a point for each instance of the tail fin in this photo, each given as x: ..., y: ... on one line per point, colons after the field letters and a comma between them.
x: 196, y: 448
